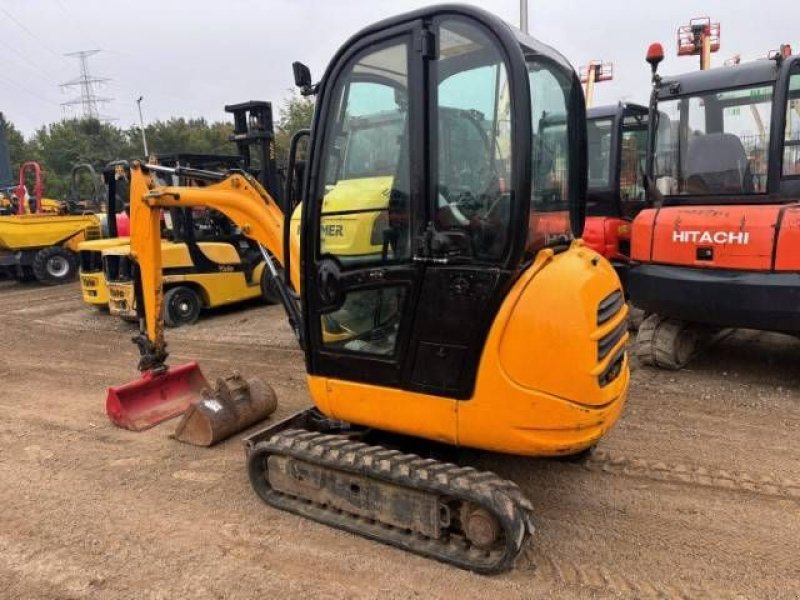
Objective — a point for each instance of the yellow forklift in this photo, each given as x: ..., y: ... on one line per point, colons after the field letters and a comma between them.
x: 466, y: 329
x: 117, y: 228
x: 206, y: 262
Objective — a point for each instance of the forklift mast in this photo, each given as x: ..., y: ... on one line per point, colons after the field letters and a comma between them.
x: 254, y: 136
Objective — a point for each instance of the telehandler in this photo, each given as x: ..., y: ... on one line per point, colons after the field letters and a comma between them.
x: 467, y: 328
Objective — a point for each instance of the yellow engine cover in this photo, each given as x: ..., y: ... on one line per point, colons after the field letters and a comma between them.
x: 351, y: 234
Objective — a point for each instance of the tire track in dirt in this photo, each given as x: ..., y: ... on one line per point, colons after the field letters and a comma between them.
x: 611, y: 582
x: 603, y: 461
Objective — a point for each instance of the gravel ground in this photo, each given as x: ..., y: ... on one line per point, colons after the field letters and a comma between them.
x: 696, y: 493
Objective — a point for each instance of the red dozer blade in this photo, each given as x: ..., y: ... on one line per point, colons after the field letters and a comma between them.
x: 155, y: 397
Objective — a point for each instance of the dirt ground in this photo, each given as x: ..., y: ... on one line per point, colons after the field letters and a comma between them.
x: 695, y: 494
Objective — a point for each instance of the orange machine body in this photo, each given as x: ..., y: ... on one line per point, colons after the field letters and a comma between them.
x: 746, y: 238
x: 609, y: 236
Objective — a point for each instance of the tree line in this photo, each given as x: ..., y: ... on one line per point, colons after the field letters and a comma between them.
x: 59, y: 146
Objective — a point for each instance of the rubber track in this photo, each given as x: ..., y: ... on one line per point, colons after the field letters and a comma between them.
x: 501, y: 497
x: 764, y: 485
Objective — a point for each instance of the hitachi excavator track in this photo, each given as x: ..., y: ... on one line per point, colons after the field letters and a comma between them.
x: 459, y: 515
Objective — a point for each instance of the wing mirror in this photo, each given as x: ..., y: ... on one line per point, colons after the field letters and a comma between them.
x: 302, y: 79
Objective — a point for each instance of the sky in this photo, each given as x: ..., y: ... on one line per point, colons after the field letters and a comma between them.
x: 191, y: 57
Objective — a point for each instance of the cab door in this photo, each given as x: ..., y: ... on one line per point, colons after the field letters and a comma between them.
x: 360, y: 282
x: 412, y: 229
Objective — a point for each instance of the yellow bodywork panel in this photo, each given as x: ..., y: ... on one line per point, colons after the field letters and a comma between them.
x: 94, y: 289
x: 216, y: 289
x: 121, y: 301
x: 93, y: 284
x: 355, y: 234
x: 28, y: 232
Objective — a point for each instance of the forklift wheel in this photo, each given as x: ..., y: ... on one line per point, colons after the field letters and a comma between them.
x: 54, y: 265
x: 181, y: 306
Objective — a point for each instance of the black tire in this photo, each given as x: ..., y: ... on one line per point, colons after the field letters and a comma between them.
x: 269, y: 290
x: 54, y: 265
x: 644, y: 340
x: 636, y: 317
x: 182, y: 306
x: 24, y: 274
x: 667, y: 343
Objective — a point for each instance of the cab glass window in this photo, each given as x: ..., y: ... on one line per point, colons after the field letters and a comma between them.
x: 550, y: 160
x: 472, y: 196
x: 364, y: 203
x: 714, y: 143
x: 599, y: 139
x: 791, y: 148
x: 633, y: 154
x: 364, y: 208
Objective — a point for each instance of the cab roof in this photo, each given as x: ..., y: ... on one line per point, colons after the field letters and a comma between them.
x: 762, y: 71
x: 608, y: 111
x: 529, y: 45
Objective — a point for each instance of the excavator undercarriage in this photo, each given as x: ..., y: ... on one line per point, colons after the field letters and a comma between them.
x: 326, y: 471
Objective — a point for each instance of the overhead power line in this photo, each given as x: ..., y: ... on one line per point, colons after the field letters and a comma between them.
x: 25, y: 28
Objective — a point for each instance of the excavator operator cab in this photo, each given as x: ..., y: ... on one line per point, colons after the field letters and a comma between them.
x: 448, y: 114
x: 617, y: 144
x: 728, y: 134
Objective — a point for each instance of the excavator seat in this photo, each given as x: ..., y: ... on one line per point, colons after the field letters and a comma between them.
x: 716, y: 163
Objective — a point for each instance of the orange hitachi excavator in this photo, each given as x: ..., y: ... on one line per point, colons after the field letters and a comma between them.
x: 468, y: 324
x: 720, y: 246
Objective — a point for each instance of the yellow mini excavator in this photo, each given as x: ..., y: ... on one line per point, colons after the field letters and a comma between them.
x: 479, y: 323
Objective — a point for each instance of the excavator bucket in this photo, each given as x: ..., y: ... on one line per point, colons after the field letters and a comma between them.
x: 155, y: 397
x: 233, y: 405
